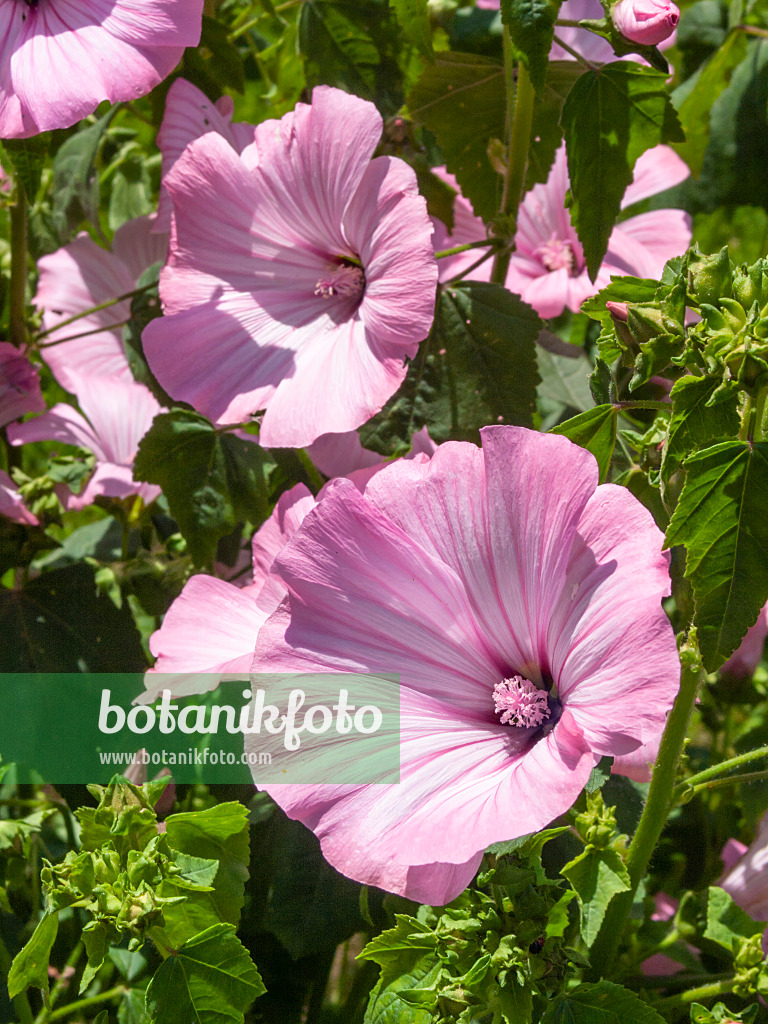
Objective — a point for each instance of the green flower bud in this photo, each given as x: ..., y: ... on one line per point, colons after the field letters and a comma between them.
x: 710, y: 277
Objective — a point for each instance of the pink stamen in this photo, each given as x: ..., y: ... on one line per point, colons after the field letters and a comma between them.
x: 556, y: 254
x: 520, y: 702
x: 343, y: 280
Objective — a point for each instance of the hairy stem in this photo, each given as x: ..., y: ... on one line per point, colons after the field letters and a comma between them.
x: 95, y: 309
x: 658, y: 805
x: 463, y: 248
x: 720, y: 769
x: 695, y: 995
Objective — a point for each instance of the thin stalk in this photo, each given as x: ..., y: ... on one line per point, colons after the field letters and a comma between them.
x: 658, y: 805
x: 473, y: 267
x: 574, y: 53
x: 95, y: 309
x: 60, y: 985
x: 17, y: 328
x: 520, y: 97
x: 696, y: 995
x: 720, y: 769
x: 85, y: 334
x: 642, y: 404
x: 85, y: 1004
x: 20, y: 1002
x: 731, y: 780
x: 463, y: 248
x: 756, y: 431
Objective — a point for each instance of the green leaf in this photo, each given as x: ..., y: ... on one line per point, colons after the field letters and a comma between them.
x: 413, y: 15
x: 516, y: 1001
x: 210, y: 980
x: 695, y: 110
x: 596, y: 877
x: 720, y: 518
x: 215, y: 64
x: 564, y: 385
x: 546, y: 133
x: 694, y: 424
x: 26, y: 157
x: 594, y: 430
x: 59, y: 623
x: 599, y: 775
x: 217, y: 833
x: 131, y: 192
x: 408, y: 935
x: 603, y: 1003
x: 612, y: 116
x: 531, y: 24
x: 75, y: 191
x: 210, y: 478
x: 30, y: 965
x: 727, y: 923
x: 386, y: 1005
x: 461, y: 100
x: 132, y: 1008
x: 478, y: 366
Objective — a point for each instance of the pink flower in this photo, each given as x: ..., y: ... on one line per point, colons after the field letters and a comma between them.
x: 344, y: 455
x: 301, y: 274
x: 19, y: 385
x: 118, y: 413
x: 647, y: 22
x: 11, y: 503
x: 746, y: 879
x: 746, y: 658
x: 83, y: 275
x: 547, y: 268
x: 61, y: 58
x: 188, y: 115
x: 493, y: 581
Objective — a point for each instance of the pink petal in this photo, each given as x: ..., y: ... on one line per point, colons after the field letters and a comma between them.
x: 19, y: 385
x: 270, y: 539
x: 746, y: 658
x: 642, y: 245
x: 11, y: 503
x: 655, y: 171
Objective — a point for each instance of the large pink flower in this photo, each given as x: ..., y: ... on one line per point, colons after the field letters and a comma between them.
x: 119, y: 413
x: 547, y: 268
x: 19, y: 385
x: 301, y: 274
x: 81, y: 276
x: 61, y: 58
x: 520, y: 604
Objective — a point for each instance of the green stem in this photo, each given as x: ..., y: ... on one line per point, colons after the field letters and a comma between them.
x: 657, y: 806
x: 642, y: 404
x: 520, y: 99
x: 575, y: 54
x: 85, y: 1004
x: 95, y: 309
x: 756, y: 433
x: 315, y: 480
x: 696, y: 995
x: 732, y: 780
x: 17, y: 328
x: 720, y: 769
x: 20, y: 1002
x: 60, y: 985
x: 470, y: 269
x: 467, y: 245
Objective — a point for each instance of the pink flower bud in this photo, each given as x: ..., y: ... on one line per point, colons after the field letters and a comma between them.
x: 648, y: 22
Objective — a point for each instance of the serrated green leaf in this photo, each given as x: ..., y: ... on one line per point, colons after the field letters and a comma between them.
x: 478, y: 366
x: 413, y: 15
x: 531, y: 24
x: 596, y: 877
x: 211, y: 980
x: 75, y: 192
x: 727, y: 923
x: 694, y: 424
x: 546, y: 133
x: 516, y: 1001
x: 30, y: 965
x: 695, y: 110
x: 720, y: 518
x: 26, y: 158
x: 409, y: 935
x: 210, y: 478
x: 594, y: 430
x: 386, y: 1005
x: 602, y: 1003
x: 461, y: 99
x: 613, y: 114
x: 599, y: 775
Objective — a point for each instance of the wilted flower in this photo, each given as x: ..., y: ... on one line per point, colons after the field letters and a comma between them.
x: 60, y: 59
x: 79, y: 277
x: 118, y: 413
x: 495, y: 583
x: 19, y: 385
x: 648, y: 22
x: 547, y: 268
x: 301, y: 274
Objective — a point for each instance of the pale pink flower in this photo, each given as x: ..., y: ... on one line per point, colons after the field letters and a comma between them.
x: 343, y: 454
x: 117, y: 415
x: 746, y: 657
x: 61, y: 58
x: 648, y: 22
x: 12, y: 504
x: 19, y: 385
x: 547, y: 268
x: 83, y: 275
x: 188, y: 115
x: 473, y: 575
x: 746, y: 879
x: 301, y: 274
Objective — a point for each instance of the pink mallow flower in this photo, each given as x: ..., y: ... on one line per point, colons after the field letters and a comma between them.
x: 19, y: 385
x: 547, y: 268
x: 746, y: 657
x: 500, y: 583
x: 188, y: 115
x: 83, y: 275
x: 61, y: 58
x: 746, y: 876
x: 12, y: 504
x: 648, y: 22
x: 301, y: 274
x: 117, y: 415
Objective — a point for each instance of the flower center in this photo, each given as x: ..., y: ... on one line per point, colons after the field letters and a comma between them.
x: 558, y: 253
x: 345, y: 279
x: 519, y: 702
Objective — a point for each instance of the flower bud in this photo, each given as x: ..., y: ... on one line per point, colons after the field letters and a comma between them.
x: 710, y: 277
x: 648, y: 22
